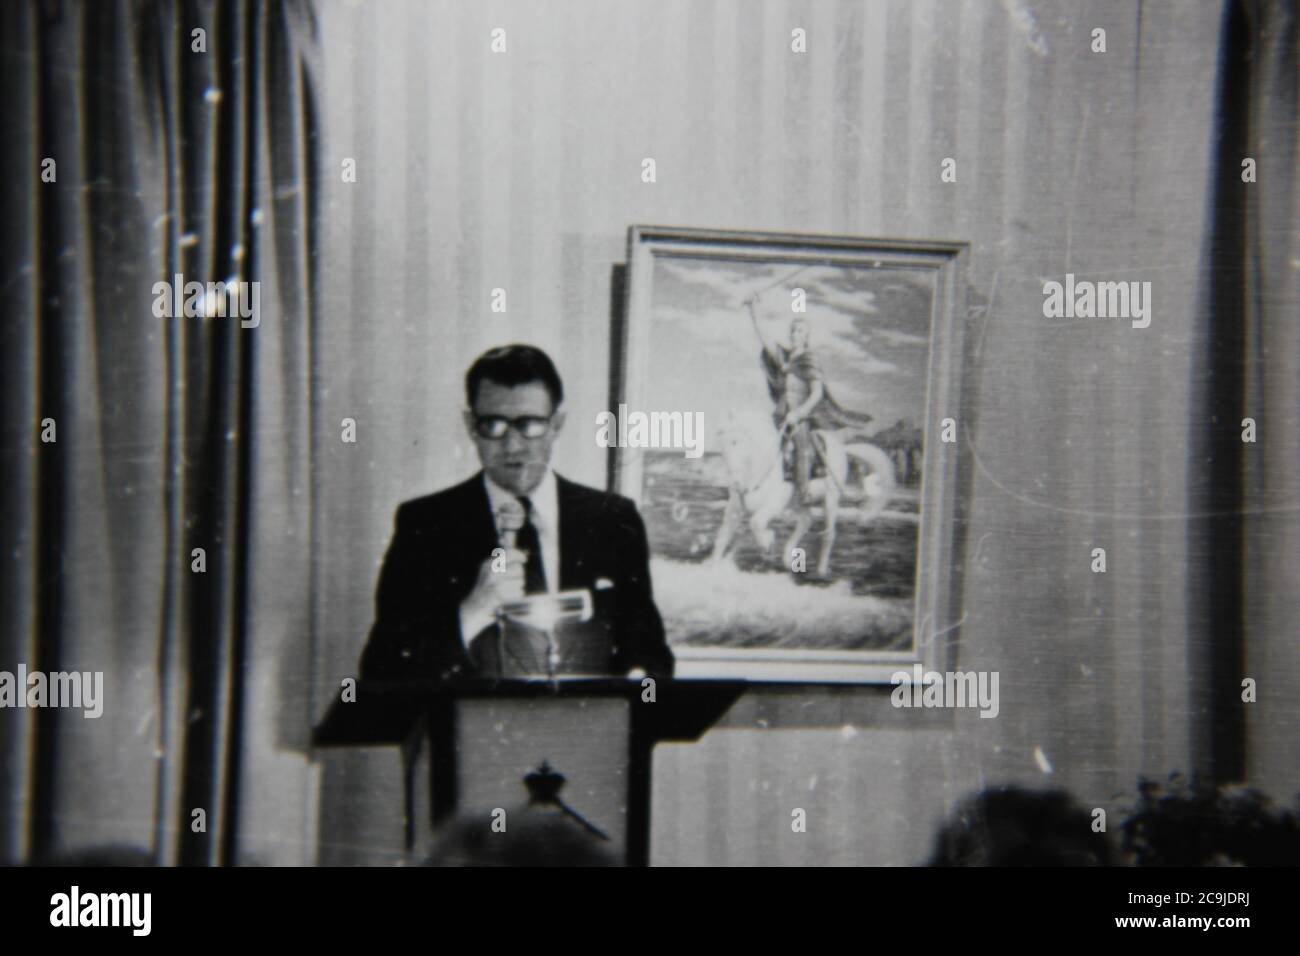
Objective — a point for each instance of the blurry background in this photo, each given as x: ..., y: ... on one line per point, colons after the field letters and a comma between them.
x: 521, y: 170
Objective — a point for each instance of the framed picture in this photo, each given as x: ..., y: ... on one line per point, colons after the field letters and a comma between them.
x: 807, y: 533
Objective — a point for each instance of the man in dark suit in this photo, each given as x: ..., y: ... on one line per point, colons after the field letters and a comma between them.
x: 449, y: 567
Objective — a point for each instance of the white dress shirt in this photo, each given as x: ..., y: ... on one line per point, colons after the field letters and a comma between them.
x: 545, y: 516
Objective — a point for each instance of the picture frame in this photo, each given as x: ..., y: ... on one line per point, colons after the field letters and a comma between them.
x: 734, y: 330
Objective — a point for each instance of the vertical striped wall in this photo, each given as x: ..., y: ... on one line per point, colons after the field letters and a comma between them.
x: 522, y: 171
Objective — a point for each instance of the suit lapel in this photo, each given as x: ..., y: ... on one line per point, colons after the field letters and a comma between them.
x: 572, y: 523
x: 478, y: 530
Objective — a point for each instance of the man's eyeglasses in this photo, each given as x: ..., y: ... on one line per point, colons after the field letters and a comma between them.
x: 494, y: 427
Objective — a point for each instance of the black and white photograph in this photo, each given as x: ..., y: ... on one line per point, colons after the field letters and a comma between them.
x: 654, y: 434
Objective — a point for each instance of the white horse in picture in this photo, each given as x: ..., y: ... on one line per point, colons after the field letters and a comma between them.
x: 858, y: 474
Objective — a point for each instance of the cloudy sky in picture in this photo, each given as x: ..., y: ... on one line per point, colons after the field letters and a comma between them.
x: 869, y: 326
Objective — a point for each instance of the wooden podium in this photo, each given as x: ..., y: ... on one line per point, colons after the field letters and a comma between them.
x: 467, y: 747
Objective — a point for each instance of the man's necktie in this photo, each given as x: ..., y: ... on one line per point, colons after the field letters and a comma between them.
x: 528, y: 540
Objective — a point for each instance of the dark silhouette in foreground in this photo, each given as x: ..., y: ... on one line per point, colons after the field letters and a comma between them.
x: 1011, y: 826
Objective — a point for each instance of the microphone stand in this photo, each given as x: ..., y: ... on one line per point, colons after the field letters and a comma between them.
x: 546, y: 609
x: 552, y: 654
x: 543, y: 612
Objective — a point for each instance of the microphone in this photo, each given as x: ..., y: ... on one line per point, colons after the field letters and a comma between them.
x: 510, y: 517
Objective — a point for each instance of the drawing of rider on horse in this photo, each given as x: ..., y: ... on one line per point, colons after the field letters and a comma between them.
x: 802, y: 402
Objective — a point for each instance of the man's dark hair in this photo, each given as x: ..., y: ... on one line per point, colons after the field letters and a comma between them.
x: 536, y: 837
x: 512, y: 365
x: 1014, y: 826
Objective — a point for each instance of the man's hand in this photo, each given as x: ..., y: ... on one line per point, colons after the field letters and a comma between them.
x: 494, y: 588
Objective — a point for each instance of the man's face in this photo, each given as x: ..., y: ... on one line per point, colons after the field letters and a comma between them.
x: 798, y: 333
x: 512, y: 461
